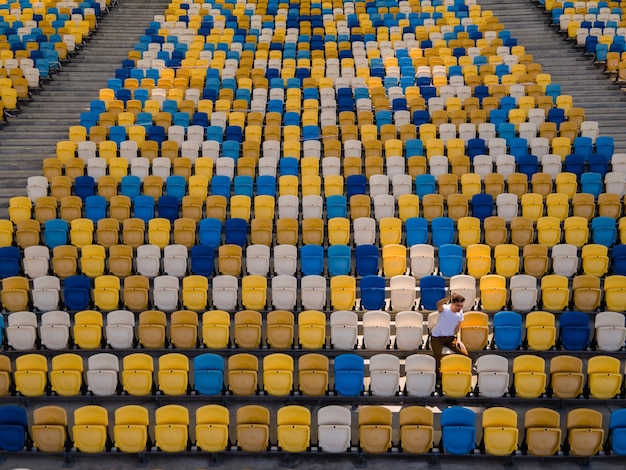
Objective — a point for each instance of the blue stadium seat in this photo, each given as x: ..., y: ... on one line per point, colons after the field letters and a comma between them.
x: 432, y: 289
x: 617, y: 429
x: 348, y: 370
x: 202, y: 260
x: 55, y: 232
x: 266, y: 185
x: 312, y: 260
x: 143, y: 208
x: 210, y: 231
x: 416, y: 229
x: 605, y: 145
x: 95, y: 208
x: 367, y: 260
x: 450, y: 259
x: 220, y: 186
x: 424, y: 184
x: 176, y: 185
x: 618, y: 259
x: 356, y: 184
x: 458, y: 430
x: 603, y: 231
x: 336, y: 206
x: 574, y: 163
x: 482, y: 206
x: 574, y: 330
x: 527, y: 164
x: 591, y: 182
x: 77, y: 292
x: 13, y: 428
x: 339, y: 260
x: 167, y: 207
x: 84, y: 186
x: 507, y: 330
x: 10, y: 261
x: 476, y: 146
x: 242, y: 185
x: 208, y: 374
x: 443, y: 231
x: 373, y: 292
x: 236, y: 231
x: 130, y: 186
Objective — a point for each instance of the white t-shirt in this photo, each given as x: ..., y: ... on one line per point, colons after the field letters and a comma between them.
x: 447, y: 321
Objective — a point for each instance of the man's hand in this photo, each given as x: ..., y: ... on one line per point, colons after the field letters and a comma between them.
x: 461, y: 346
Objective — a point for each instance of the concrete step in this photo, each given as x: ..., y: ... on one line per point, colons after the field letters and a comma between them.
x: 33, y: 134
x: 568, y: 66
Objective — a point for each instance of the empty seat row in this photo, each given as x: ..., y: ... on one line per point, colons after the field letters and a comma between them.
x: 171, y: 428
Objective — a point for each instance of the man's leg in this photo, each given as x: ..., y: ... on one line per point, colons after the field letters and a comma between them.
x: 453, y: 346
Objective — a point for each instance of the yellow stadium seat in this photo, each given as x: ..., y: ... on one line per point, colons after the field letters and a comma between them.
x: 416, y: 429
x: 49, y: 428
x: 456, y: 375
x: 173, y: 374
x: 89, y: 432
x: 137, y: 374
x: 216, y: 329
x: 278, y: 374
x: 375, y: 429
x: 312, y: 323
x: 253, y: 428
x: 254, y: 292
x: 555, y: 293
x: 247, y: 328
x: 106, y: 292
x: 313, y: 374
x: 529, y: 376
x: 615, y: 292
x: 31, y: 375
x: 212, y: 428
x: 493, y: 292
x: 567, y: 378
x: 171, y: 428
x: 469, y: 231
x: 585, y: 434
x: 604, y: 375
x: 15, y: 293
x: 243, y: 374
x: 66, y: 375
x: 475, y: 330
x: 543, y: 431
x: 540, y: 330
x: 81, y: 232
x: 151, y: 329
x: 195, y: 292
x: 279, y: 327
x: 342, y: 292
x: 87, y: 329
x: 478, y: 259
x: 130, y: 432
x: 500, y: 432
x: 507, y: 260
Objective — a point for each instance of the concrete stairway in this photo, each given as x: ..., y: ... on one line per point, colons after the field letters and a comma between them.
x: 32, y: 135
x: 590, y: 88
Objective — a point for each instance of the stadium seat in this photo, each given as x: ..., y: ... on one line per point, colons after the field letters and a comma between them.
x: 334, y: 428
x: 375, y: 429
x: 458, y: 431
x: 253, y: 428
x: 500, y: 432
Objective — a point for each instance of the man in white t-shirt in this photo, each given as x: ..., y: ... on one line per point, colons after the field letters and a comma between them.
x: 444, y: 333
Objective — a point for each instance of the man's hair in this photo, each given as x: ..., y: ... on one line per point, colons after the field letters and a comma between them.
x: 454, y: 298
